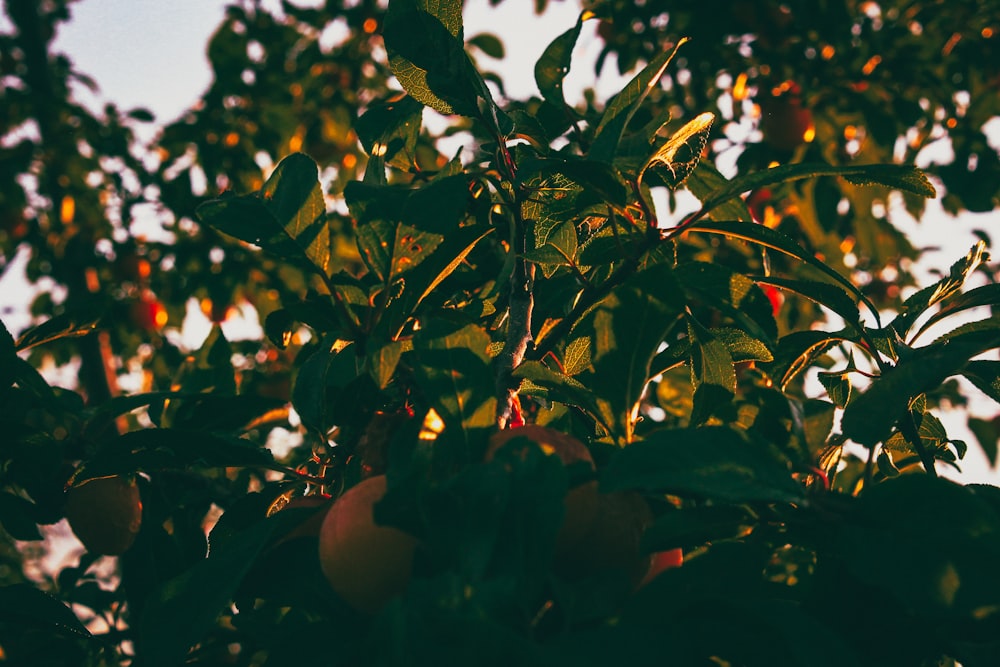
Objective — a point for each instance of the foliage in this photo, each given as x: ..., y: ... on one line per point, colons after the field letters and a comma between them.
x: 745, y: 395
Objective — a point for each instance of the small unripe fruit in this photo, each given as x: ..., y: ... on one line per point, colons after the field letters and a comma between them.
x: 105, y: 514
x: 365, y: 563
x: 581, y: 501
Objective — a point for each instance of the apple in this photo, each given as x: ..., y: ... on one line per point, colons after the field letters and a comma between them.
x: 105, y: 514
x: 366, y: 564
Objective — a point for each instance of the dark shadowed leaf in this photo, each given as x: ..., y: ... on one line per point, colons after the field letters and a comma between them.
x: 710, y: 462
x: 67, y: 325
x: 23, y: 604
x: 554, y: 64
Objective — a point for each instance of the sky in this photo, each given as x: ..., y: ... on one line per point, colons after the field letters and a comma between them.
x: 151, y: 53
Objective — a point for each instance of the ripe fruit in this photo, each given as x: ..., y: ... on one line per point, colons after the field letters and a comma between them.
x: 148, y: 313
x: 365, y: 563
x: 312, y: 525
x: 581, y: 501
x: 105, y: 514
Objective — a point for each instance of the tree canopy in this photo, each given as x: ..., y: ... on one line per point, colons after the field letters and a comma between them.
x: 736, y: 402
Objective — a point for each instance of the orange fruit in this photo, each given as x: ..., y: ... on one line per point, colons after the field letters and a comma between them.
x: 612, y: 541
x: 105, y: 514
x: 366, y: 564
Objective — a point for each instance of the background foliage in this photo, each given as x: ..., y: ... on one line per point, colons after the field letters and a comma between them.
x: 752, y: 371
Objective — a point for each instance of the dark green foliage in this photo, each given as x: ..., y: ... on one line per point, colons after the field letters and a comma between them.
x: 746, y: 393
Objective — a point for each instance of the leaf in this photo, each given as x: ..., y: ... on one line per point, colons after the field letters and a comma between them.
x: 713, y: 463
x: 155, y: 449
x: 622, y: 108
x: 554, y: 64
x: 312, y: 383
x: 576, y: 356
x: 680, y: 154
x: 26, y: 605
x: 488, y: 44
x: 286, y: 217
x: 66, y: 325
x: 985, y: 375
x: 625, y: 330
x: 775, y: 240
x: 454, y: 371
x: 869, y: 419
x: 706, y: 179
x: 691, y: 527
x: 183, y: 610
x: 928, y: 542
x: 16, y: 517
x: 424, y: 41
x: 947, y: 287
x: 388, y: 133
x: 838, y: 387
x: 834, y: 297
x: 908, y: 179
x: 557, y: 387
x: 8, y: 359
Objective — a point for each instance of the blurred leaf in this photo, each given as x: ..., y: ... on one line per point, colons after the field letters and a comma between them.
x: 286, y: 217
x: 67, y: 325
x: 988, y: 435
x: 488, y: 43
x: 691, y: 527
x: 711, y: 462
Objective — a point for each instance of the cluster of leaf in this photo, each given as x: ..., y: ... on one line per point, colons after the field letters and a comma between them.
x: 532, y: 280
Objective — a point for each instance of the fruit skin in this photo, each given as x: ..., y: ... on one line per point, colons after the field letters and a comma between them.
x: 365, y: 563
x: 105, y: 514
x: 310, y: 527
x: 581, y: 501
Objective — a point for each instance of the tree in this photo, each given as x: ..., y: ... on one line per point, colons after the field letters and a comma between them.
x: 416, y: 303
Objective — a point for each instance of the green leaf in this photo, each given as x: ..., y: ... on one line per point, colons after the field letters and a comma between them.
x: 946, y: 288
x: 625, y: 330
x: 488, y: 44
x: 869, y: 419
x: 928, y: 542
x: 16, y: 517
x: 26, y: 605
x: 8, y: 359
x: 388, y: 133
x: 711, y: 362
x: 622, y: 108
x: 287, y: 217
x: 831, y: 296
x: 539, y: 380
x: 454, y: 371
x: 838, y: 387
x: 680, y: 154
x: 692, y: 527
x: 732, y: 293
x: 554, y: 64
x: 424, y: 40
x: 775, y: 240
x: 155, y: 449
x: 706, y: 179
x: 713, y: 463
x: 985, y: 375
x: 908, y: 179
x: 66, y: 325
x: 183, y: 610
x: 382, y: 362
x: 985, y: 295
x: 332, y: 362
